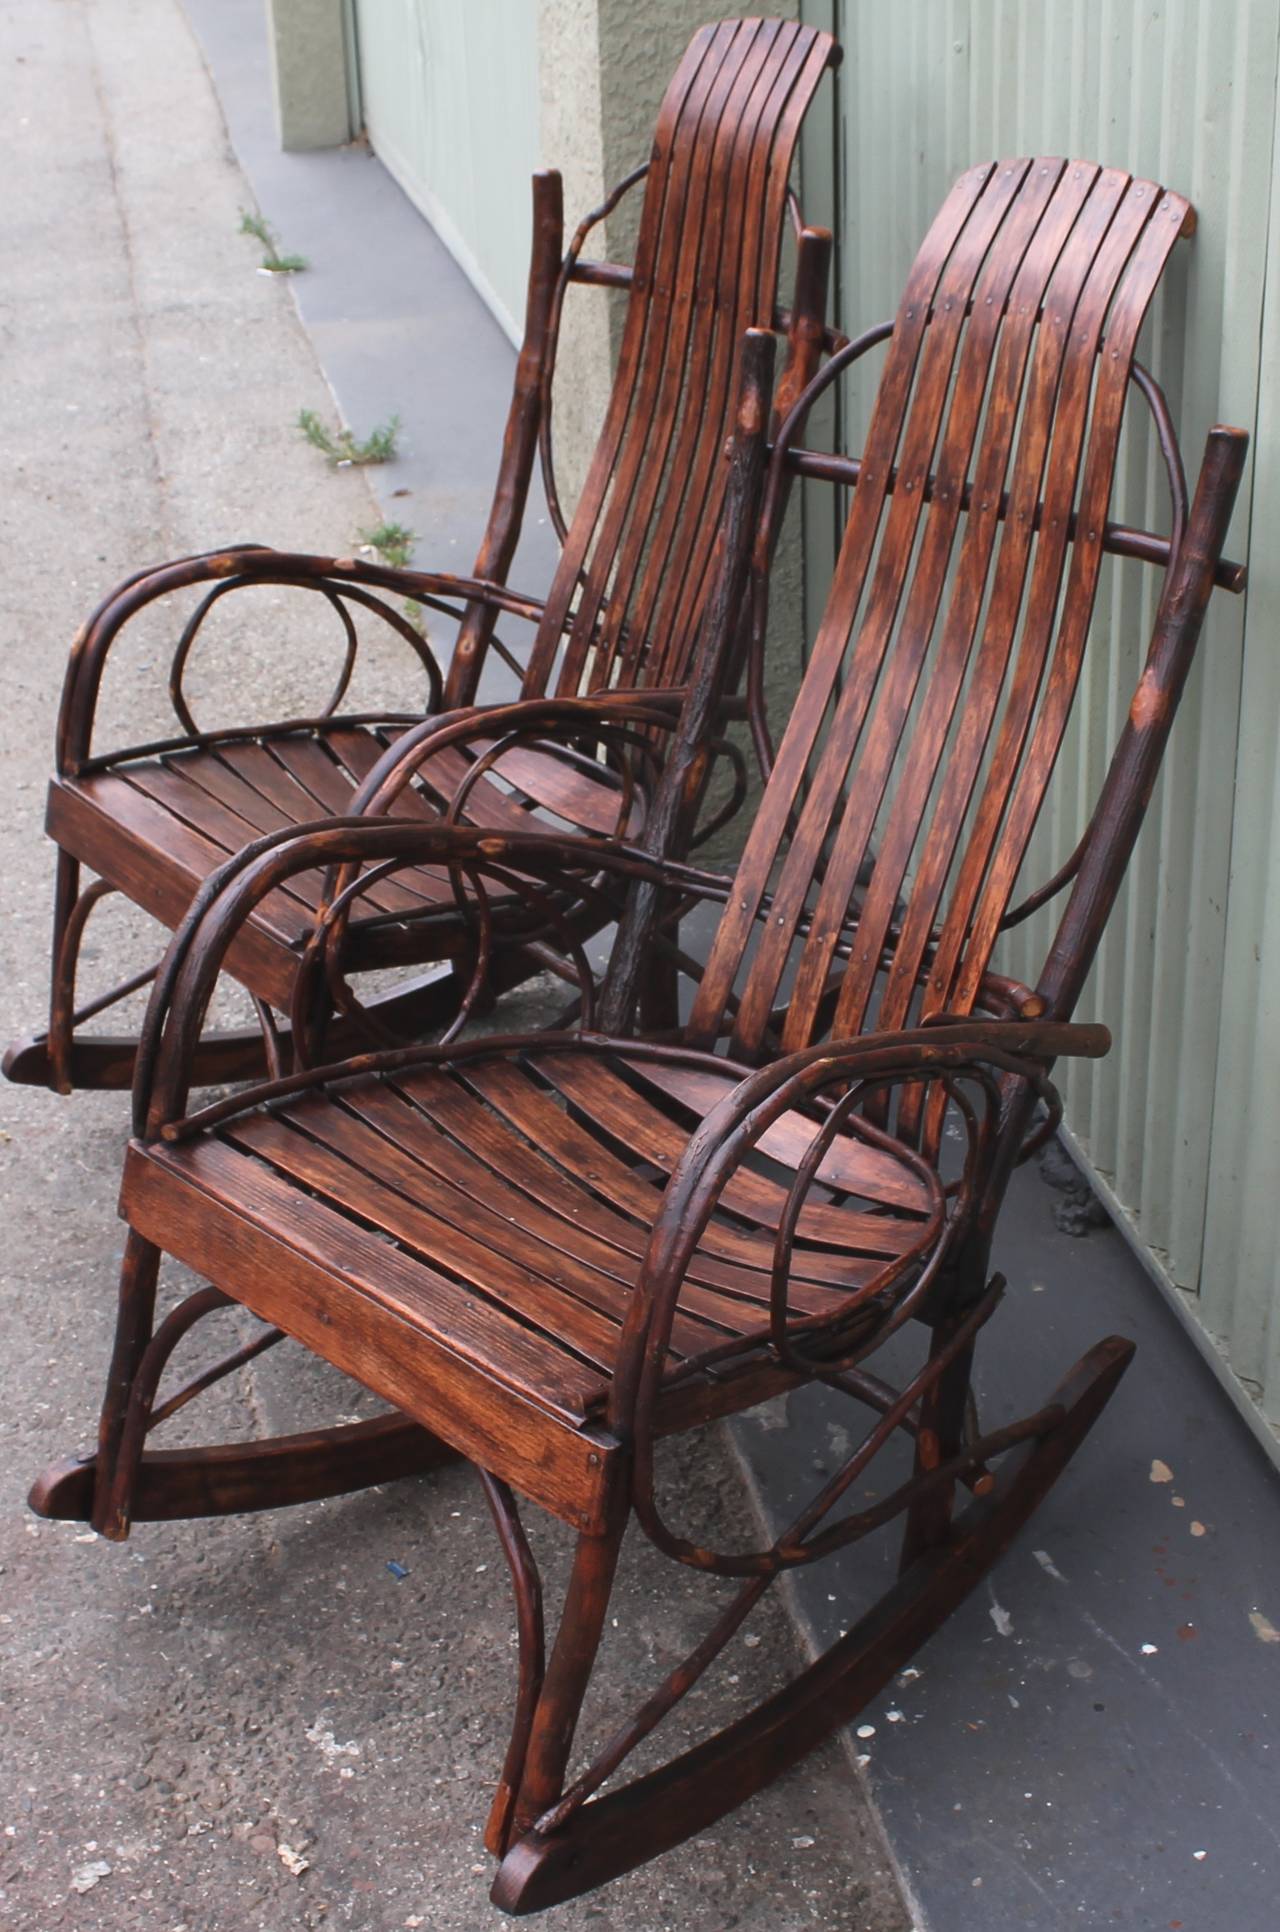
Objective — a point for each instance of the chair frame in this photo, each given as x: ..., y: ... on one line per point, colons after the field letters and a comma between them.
x: 823, y: 1108
x: 735, y: 104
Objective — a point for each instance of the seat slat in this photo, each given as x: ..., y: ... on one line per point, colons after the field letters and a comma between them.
x: 622, y: 1112
x: 382, y: 1138
x: 554, y: 1208
x: 200, y: 812
x: 848, y: 1164
x: 211, y: 776
x: 509, y: 1089
x: 567, y: 1189
x: 293, y: 804
x: 497, y: 1279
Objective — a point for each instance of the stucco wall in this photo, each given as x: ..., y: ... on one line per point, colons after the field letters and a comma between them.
x: 571, y: 139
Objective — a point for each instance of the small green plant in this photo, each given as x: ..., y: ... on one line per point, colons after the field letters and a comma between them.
x: 393, y: 545
x: 272, y: 259
x: 379, y: 446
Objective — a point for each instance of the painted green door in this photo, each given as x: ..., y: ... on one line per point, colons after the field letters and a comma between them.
x: 450, y: 97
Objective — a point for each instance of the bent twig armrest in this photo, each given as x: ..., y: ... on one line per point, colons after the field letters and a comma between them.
x: 949, y: 1048
x: 189, y: 971
x: 236, y: 567
x: 537, y: 718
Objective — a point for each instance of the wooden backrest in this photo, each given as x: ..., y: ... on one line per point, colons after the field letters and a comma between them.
x: 933, y: 707
x: 635, y: 569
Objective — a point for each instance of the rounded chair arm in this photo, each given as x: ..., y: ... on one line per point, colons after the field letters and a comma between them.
x: 188, y: 973
x: 542, y: 717
x: 948, y: 1047
x: 247, y: 564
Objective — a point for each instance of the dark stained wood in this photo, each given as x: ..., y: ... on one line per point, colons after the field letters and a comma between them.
x: 623, y: 1829
x: 548, y: 1457
x: 626, y: 608
x: 551, y: 1249
x: 230, y: 1477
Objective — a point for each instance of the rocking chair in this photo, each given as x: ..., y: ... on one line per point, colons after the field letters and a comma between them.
x: 622, y: 617
x: 551, y: 1250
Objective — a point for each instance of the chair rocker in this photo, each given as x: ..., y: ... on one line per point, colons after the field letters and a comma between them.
x: 622, y: 616
x: 551, y: 1250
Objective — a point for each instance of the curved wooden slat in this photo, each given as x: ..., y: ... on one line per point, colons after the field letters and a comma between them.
x: 633, y: 576
x: 917, y: 753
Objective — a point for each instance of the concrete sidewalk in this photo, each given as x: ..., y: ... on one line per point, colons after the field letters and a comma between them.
x: 252, y: 1724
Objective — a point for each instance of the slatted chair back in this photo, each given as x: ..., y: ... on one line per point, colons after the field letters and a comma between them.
x: 919, y: 748
x: 635, y: 568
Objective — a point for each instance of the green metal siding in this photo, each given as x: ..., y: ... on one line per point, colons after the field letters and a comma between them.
x: 1182, y: 1121
x: 450, y: 97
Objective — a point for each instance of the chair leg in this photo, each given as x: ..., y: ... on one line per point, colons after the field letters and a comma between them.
x: 555, y: 1716
x: 135, y: 1319
x: 939, y: 1437
x: 126, y: 1483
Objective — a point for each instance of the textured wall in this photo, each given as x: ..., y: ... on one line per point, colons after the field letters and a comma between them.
x: 1181, y: 1119
x: 570, y: 138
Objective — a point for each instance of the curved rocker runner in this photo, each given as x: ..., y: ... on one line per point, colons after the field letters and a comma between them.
x: 549, y: 1251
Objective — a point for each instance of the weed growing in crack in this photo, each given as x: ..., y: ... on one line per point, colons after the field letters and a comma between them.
x: 392, y: 544
x: 343, y: 447
x: 272, y: 259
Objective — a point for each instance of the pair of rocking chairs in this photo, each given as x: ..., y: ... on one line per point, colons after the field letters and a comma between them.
x: 550, y: 1250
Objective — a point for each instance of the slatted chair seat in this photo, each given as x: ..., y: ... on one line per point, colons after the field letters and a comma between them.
x: 158, y: 827
x: 495, y: 1213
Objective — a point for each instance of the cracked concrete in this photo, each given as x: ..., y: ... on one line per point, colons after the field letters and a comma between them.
x: 253, y: 1724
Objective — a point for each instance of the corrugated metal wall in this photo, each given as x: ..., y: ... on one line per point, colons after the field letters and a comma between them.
x: 1183, y: 1119
x: 450, y: 98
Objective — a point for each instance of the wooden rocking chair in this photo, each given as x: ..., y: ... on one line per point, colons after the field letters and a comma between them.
x: 551, y: 1250
x: 152, y: 821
